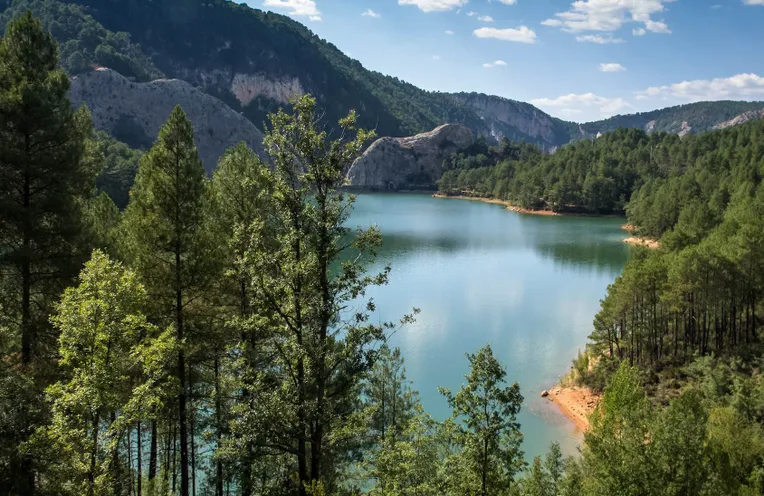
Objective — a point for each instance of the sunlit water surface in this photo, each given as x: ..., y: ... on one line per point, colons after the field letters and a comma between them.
x: 528, y: 285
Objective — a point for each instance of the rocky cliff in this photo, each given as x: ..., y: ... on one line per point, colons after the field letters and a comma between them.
x: 415, y: 162
x: 133, y: 113
x: 742, y: 119
x: 517, y: 121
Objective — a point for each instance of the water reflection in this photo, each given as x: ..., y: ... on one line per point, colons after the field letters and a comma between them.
x: 529, y: 285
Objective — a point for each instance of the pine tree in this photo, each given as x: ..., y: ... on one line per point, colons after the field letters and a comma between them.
x: 489, y: 437
x: 241, y: 192
x: 43, y: 179
x: 169, y: 246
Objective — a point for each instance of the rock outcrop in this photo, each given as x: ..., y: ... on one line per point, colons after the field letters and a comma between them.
x: 134, y: 112
x: 414, y: 162
x: 515, y: 120
x: 741, y: 119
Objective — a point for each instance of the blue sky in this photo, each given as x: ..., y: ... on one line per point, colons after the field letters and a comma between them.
x: 579, y: 60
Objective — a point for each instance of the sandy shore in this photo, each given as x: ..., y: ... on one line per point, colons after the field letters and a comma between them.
x: 507, y: 204
x: 646, y: 242
x: 576, y: 403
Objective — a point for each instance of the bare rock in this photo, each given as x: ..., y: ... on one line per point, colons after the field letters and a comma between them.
x: 134, y: 112
x: 741, y: 119
x: 414, y: 162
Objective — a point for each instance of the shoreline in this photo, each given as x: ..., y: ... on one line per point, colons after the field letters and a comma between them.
x: 575, y: 403
x: 521, y: 210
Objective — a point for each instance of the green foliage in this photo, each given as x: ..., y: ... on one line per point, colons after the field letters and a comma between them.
x: 44, y: 181
x: 114, y: 361
x: 488, y: 434
x: 84, y: 42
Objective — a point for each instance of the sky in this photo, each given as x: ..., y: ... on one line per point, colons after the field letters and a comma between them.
x: 578, y: 60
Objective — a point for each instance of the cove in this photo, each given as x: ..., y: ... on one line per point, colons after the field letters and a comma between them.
x: 528, y: 285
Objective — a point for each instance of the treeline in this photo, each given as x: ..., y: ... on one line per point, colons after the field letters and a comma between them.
x: 655, y: 179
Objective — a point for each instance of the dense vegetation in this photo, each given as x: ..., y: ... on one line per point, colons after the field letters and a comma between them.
x: 655, y: 178
x: 84, y: 42
x: 700, y: 116
x: 200, y: 341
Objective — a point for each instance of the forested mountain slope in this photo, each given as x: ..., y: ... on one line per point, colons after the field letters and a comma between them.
x: 693, y: 118
x: 656, y: 178
x: 256, y: 62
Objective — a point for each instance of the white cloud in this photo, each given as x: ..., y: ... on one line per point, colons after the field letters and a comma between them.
x: 612, y: 67
x: 657, y: 27
x: 508, y: 2
x: 449, y: 32
x: 436, y: 57
x: 495, y: 63
x: 485, y: 19
x: 306, y: 8
x: 753, y: 2
x: 588, y: 104
x: 554, y: 23
x: 523, y: 34
x: 471, y: 13
x: 371, y: 13
x: 611, y: 15
x: 738, y: 87
x: 599, y: 39
x: 638, y: 31
x: 434, y: 5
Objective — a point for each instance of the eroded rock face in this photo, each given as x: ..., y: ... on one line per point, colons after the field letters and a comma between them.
x: 134, y: 112
x: 514, y: 120
x: 414, y: 162
x: 741, y: 119
x: 247, y: 87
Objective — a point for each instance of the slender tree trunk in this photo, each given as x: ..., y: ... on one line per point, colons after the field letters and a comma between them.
x: 219, y: 430
x: 182, y: 419
x: 139, y: 462
x: 174, y: 457
x: 192, y: 423
x: 27, y: 476
x: 93, y: 455
x: 153, y: 452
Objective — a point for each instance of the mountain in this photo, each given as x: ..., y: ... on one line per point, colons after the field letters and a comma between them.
x: 694, y: 118
x: 133, y: 112
x: 254, y: 62
x: 519, y: 121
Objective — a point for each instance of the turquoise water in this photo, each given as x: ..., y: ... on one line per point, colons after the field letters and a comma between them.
x: 528, y: 285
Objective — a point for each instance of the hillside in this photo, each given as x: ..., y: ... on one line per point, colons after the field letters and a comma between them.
x: 255, y: 62
x: 693, y: 118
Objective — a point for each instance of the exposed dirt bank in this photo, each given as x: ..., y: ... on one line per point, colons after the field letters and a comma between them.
x: 576, y: 403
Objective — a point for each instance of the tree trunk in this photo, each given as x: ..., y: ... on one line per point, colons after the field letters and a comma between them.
x: 139, y: 461
x: 219, y: 431
x: 182, y: 377
x: 93, y: 455
x: 153, y: 452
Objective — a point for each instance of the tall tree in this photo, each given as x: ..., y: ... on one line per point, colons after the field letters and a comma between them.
x: 241, y: 192
x: 486, y: 412
x: 306, y: 285
x: 169, y: 246
x: 114, y: 362
x: 43, y: 178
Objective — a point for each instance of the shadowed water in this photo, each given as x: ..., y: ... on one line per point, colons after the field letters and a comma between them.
x: 528, y: 285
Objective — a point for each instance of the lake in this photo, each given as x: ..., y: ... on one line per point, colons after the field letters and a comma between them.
x: 529, y: 285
